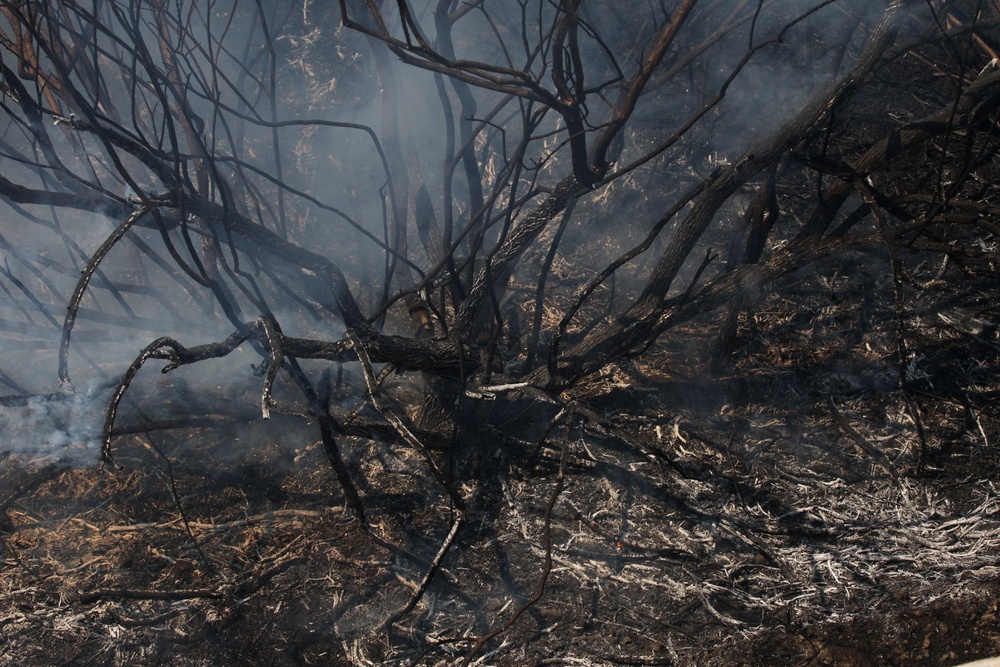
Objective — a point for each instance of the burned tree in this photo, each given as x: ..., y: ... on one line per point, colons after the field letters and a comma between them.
x: 443, y: 225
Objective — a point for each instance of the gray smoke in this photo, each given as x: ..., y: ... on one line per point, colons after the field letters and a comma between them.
x: 62, y: 428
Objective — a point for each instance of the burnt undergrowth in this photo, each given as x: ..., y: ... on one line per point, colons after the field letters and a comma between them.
x: 685, y: 354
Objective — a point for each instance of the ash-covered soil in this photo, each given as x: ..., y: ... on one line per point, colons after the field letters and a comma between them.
x: 794, y: 507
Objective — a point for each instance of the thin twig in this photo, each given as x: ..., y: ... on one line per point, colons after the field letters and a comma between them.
x: 546, y: 565
x: 146, y: 594
x: 871, y: 450
x: 407, y: 435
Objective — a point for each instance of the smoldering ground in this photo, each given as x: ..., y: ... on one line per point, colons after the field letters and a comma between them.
x: 655, y: 508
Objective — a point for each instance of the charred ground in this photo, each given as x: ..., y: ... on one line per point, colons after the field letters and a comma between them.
x: 770, y: 437
x: 716, y: 520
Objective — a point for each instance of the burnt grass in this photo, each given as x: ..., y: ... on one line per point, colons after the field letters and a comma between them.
x: 793, y: 506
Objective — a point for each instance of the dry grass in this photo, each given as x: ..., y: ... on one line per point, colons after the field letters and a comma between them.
x: 711, y: 521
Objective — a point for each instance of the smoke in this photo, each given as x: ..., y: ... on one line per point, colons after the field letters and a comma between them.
x: 63, y: 428
x: 298, y: 63
x: 775, y: 55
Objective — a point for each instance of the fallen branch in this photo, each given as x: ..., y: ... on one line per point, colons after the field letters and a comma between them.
x: 147, y: 594
x: 867, y: 447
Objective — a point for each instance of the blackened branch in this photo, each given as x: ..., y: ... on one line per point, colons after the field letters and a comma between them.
x: 81, y: 287
x: 274, y: 338
x: 178, y: 355
x: 407, y: 435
